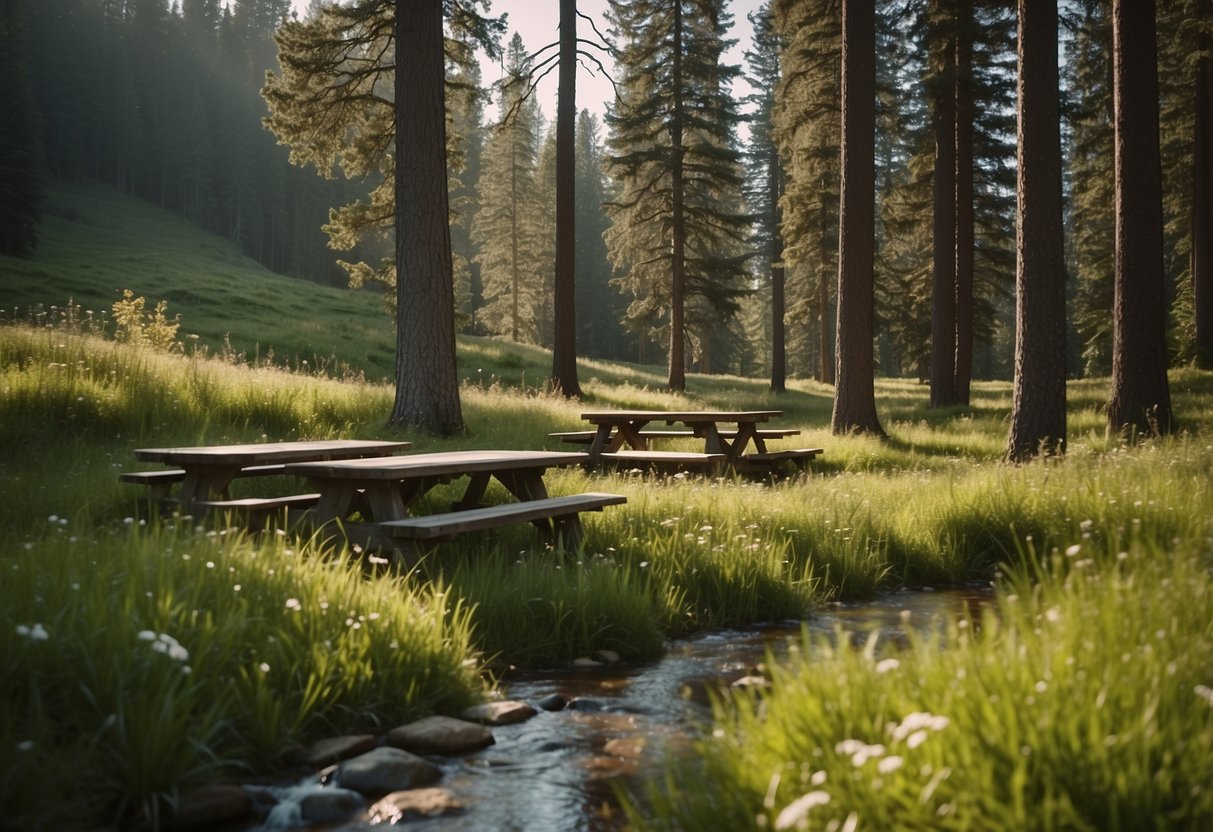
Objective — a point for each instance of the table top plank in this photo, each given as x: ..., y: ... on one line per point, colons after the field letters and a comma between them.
x: 439, y: 464
x: 260, y: 453
x: 687, y: 417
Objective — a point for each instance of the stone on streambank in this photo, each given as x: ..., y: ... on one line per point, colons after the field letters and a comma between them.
x: 385, y: 770
x: 211, y: 806
x: 415, y: 804
x: 499, y: 713
x: 335, y: 749
x: 440, y: 735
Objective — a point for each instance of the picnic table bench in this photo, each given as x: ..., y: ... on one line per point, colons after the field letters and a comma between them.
x: 373, y: 501
x: 205, y: 473
x: 622, y: 437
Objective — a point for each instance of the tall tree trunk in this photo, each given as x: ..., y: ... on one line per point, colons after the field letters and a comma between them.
x: 1202, y: 202
x: 564, y: 336
x: 779, y: 361
x: 963, y: 368
x: 854, y: 392
x: 677, y: 370
x: 943, y: 259
x: 427, y: 383
x: 515, y: 268
x: 1038, y: 410
x: 823, y: 331
x: 1141, y: 399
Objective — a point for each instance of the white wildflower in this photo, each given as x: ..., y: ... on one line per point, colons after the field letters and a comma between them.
x: 885, y: 665
x: 889, y: 764
x: 1205, y: 692
x: 797, y: 812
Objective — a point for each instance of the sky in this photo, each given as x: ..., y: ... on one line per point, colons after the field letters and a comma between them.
x: 537, y: 22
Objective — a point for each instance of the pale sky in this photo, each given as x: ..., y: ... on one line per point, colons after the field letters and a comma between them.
x: 537, y: 21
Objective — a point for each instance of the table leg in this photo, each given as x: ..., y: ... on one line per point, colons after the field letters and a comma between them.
x: 630, y: 432
x: 473, y: 496
x: 524, y: 485
x: 203, y: 481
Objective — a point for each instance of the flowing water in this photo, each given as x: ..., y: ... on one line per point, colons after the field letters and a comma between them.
x: 556, y: 771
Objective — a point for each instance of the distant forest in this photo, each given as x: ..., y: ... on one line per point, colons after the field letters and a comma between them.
x: 167, y: 101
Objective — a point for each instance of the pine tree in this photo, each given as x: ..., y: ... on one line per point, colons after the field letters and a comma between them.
x: 1038, y: 410
x: 1202, y: 199
x: 564, y: 335
x: 854, y: 391
x: 676, y: 232
x: 508, y: 228
x: 765, y: 185
x: 805, y: 126
x: 599, y: 332
x: 1141, y: 399
x: 1090, y: 163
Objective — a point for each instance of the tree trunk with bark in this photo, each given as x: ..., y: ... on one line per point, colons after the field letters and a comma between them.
x: 427, y: 383
x: 943, y: 236
x: 677, y: 378
x: 963, y: 367
x: 564, y: 336
x: 1202, y: 202
x: 1141, y: 399
x: 779, y: 361
x: 1038, y: 410
x: 854, y: 391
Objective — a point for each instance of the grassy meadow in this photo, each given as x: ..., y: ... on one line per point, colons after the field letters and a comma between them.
x: 140, y: 656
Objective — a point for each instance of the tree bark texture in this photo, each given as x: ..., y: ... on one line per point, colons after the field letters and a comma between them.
x: 854, y: 392
x: 779, y: 361
x: 427, y: 384
x: 1141, y: 399
x: 1202, y: 202
x: 1038, y: 410
x: 943, y: 235
x: 677, y: 379
x: 564, y: 336
x: 963, y: 365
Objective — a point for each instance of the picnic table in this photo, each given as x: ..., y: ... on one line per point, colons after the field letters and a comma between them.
x: 205, y: 472
x: 384, y: 491
x: 622, y: 437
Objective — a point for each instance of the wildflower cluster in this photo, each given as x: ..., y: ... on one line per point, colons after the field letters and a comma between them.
x: 166, y: 644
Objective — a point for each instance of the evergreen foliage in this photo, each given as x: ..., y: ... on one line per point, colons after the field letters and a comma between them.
x: 509, y: 228
x: 678, y: 232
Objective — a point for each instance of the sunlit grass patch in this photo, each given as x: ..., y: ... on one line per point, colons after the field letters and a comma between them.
x: 166, y: 657
x: 1081, y: 701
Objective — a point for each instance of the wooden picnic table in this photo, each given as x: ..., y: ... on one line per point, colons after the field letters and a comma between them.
x: 206, y: 471
x: 617, y: 429
x: 384, y: 490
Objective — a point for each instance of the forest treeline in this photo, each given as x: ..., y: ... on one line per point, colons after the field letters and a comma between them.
x: 168, y: 101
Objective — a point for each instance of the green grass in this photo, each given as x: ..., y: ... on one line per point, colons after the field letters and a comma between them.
x: 100, y: 727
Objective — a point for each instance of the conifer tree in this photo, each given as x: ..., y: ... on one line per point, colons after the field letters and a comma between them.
x: 676, y: 232
x: 508, y: 228
x: 599, y: 332
x: 1202, y: 198
x: 1141, y: 398
x: 854, y: 391
x: 765, y: 185
x: 805, y: 126
x: 1038, y: 409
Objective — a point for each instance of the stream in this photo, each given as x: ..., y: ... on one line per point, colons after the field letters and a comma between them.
x: 555, y: 771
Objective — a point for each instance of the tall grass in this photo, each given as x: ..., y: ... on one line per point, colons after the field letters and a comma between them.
x: 312, y: 641
x: 1082, y: 700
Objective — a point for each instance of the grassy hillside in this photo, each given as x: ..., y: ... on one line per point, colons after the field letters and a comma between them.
x: 95, y: 242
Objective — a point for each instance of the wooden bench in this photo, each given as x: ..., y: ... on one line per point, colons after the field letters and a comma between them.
x: 558, y: 517
x: 585, y: 437
x: 256, y: 510
x: 664, y: 460
x: 798, y: 456
x: 160, y: 480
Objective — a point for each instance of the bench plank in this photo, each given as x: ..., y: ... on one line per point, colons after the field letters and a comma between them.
x: 261, y: 504
x: 585, y: 437
x: 168, y: 476
x: 800, y: 456
x: 449, y: 524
